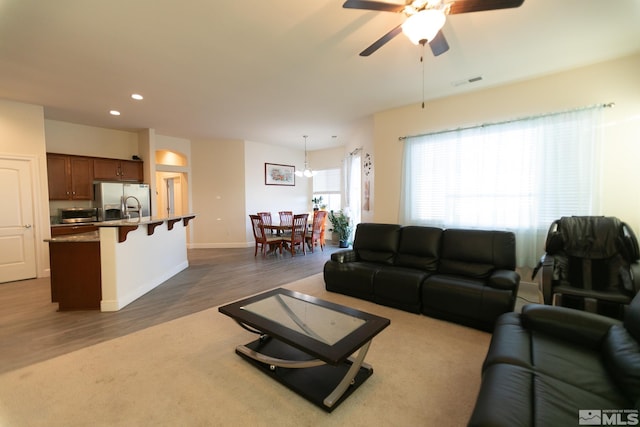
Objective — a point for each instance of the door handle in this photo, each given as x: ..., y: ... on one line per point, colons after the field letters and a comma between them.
x: 27, y: 226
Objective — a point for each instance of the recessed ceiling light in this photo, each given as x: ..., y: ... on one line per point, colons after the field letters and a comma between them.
x: 137, y: 96
x: 114, y: 112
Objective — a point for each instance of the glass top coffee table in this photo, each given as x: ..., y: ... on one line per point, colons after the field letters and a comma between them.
x: 307, y: 343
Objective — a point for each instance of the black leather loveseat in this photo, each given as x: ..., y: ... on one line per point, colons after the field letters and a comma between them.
x: 558, y: 366
x: 464, y: 276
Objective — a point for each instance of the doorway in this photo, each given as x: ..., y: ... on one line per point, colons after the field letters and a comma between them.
x: 171, y: 187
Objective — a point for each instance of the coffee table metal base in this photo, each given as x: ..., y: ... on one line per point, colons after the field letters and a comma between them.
x: 322, y: 384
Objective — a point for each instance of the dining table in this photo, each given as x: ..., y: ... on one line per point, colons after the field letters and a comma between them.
x: 278, y: 228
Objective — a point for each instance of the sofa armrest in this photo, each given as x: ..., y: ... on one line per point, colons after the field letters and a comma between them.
x: 504, y: 279
x: 635, y: 277
x: 347, y: 255
x: 579, y: 327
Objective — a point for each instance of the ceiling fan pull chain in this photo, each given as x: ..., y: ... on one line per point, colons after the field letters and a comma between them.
x: 422, y: 60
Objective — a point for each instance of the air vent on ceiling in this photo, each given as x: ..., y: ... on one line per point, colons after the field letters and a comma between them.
x: 466, y: 81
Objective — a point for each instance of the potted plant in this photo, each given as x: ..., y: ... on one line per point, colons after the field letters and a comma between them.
x: 342, y: 225
x: 316, y: 201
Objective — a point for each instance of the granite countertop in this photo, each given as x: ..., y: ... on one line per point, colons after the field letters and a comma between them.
x: 140, y: 221
x: 91, y: 236
x: 120, y: 222
x: 126, y: 224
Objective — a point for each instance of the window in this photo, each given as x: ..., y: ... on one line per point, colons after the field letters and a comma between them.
x: 326, y: 184
x: 520, y: 175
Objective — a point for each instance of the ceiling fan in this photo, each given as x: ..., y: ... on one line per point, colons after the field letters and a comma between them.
x: 425, y: 18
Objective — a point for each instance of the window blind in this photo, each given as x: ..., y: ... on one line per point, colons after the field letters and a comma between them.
x: 520, y: 175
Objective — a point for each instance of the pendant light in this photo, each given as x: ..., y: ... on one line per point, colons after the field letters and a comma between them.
x: 308, y: 173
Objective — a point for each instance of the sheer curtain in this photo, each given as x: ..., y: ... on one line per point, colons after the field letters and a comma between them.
x: 353, y: 187
x: 519, y: 176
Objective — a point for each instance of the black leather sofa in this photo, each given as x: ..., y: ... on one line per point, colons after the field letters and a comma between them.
x: 551, y: 365
x: 464, y: 276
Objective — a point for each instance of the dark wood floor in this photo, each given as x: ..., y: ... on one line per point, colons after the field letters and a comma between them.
x: 32, y: 330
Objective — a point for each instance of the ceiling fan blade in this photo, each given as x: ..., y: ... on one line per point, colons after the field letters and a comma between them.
x: 373, y: 5
x: 439, y: 44
x: 382, y: 41
x: 467, y: 6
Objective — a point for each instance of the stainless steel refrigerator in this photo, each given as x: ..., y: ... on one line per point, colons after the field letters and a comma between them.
x: 116, y: 200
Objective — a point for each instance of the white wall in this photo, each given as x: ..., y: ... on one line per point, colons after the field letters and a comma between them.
x: 273, y: 198
x: 614, y: 81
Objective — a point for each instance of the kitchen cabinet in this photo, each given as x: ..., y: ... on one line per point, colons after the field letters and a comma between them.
x: 76, y: 274
x: 117, y: 170
x: 70, y: 177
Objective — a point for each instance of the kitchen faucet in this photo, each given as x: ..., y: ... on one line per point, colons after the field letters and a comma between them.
x: 125, y: 208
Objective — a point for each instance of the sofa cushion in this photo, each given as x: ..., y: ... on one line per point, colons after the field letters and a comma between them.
x: 505, y: 398
x: 573, y: 364
x: 350, y: 278
x: 504, y: 279
x: 377, y: 242
x: 399, y: 287
x: 621, y: 354
x: 569, y: 325
x: 632, y: 318
x: 462, y: 268
x: 516, y: 396
x: 510, y: 343
x: 419, y: 247
x: 496, y: 248
x: 456, y: 296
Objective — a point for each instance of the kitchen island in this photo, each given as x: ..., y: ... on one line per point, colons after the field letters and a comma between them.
x: 133, y: 257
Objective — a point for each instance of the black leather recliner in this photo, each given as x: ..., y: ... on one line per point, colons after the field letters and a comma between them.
x: 591, y: 263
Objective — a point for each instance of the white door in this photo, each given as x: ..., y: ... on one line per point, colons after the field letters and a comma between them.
x: 17, y: 237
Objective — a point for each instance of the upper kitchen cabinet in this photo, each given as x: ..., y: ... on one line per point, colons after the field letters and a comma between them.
x: 70, y: 177
x: 117, y: 170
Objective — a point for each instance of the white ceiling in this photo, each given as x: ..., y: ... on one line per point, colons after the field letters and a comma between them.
x: 272, y: 71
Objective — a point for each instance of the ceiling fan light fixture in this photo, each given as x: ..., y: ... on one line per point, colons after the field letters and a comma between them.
x: 423, y: 26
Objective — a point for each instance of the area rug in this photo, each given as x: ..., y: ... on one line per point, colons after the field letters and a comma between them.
x: 186, y: 373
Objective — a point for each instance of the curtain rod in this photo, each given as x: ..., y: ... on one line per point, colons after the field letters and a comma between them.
x: 607, y: 105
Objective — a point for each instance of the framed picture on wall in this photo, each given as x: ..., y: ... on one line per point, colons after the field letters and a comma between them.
x: 275, y: 174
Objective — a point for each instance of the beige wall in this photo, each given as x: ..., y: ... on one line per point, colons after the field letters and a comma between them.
x: 70, y: 138
x: 615, y: 81
x: 330, y: 158
x: 218, y: 193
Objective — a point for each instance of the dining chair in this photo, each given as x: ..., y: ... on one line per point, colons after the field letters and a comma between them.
x: 262, y: 239
x: 286, y: 217
x: 317, y: 230
x: 266, y: 220
x: 286, y: 220
x: 298, y: 233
